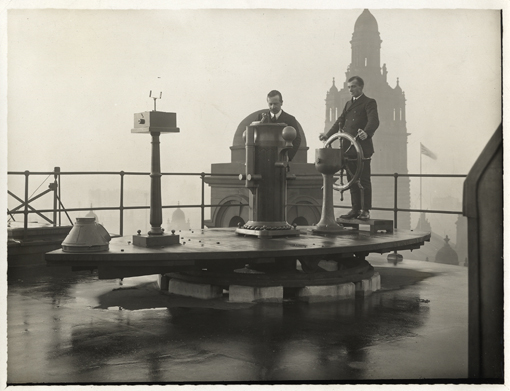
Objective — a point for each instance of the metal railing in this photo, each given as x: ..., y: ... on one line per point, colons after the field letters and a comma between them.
x: 58, y: 208
x: 396, y: 209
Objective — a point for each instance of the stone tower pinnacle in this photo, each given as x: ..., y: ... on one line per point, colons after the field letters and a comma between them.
x: 365, y: 44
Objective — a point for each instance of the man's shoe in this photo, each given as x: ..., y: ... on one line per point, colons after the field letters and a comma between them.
x: 351, y: 215
x: 364, y: 215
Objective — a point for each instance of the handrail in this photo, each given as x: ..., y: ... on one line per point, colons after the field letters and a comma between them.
x: 115, y: 173
x: 136, y: 207
x: 25, y: 208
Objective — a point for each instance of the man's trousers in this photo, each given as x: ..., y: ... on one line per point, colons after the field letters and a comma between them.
x: 365, y: 182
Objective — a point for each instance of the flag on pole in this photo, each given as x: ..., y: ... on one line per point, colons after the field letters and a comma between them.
x: 424, y: 150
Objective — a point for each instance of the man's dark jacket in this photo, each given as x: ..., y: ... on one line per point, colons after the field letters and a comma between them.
x: 358, y: 114
x: 285, y: 118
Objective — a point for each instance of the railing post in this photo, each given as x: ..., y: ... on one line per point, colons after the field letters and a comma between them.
x: 25, y: 212
x: 202, y: 203
x: 121, y: 228
x: 395, y: 258
x: 395, y: 200
x: 55, y: 197
x: 59, y: 199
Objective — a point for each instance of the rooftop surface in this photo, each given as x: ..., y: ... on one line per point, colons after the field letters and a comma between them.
x: 71, y: 328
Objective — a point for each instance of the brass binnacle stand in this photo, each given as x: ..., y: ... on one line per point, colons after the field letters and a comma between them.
x: 328, y: 161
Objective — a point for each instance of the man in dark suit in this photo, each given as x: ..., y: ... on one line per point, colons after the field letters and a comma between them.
x: 277, y: 115
x: 359, y: 119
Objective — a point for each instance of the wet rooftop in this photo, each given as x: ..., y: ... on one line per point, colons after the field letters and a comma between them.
x: 72, y: 328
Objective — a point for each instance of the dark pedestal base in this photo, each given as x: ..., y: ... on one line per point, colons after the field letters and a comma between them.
x: 350, y: 270
x: 294, y: 279
x: 263, y: 233
x: 155, y: 240
x: 375, y: 225
x: 322, y: 230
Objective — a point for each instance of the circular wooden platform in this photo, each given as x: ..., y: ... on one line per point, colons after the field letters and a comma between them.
x: 220, y: 247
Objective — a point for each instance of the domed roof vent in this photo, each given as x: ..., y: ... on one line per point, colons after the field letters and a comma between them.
x: 86, y: 236
x: 366, y: 22
x: 447, y: 254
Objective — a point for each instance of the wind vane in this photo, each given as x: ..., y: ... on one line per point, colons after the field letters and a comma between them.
x: 155, y: 97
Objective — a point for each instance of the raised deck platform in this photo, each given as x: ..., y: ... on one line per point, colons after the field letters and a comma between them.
x: 26, y: 246
x: 221, y: 248
x: 374, y: 225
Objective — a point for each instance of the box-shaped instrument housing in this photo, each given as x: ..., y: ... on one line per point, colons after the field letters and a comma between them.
x: 155, y: 121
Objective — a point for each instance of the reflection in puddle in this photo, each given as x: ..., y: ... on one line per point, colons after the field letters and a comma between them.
x: 76, y: 328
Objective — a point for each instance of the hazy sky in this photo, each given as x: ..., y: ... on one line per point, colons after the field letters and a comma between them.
x: 76, y: 76
x: 71, y: 79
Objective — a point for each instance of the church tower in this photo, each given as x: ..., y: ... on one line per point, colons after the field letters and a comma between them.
x: 390, y: 139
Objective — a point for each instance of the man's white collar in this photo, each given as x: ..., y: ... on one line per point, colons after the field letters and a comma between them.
x: 277, y: 115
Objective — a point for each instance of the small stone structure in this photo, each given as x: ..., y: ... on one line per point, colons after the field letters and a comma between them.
x: 200, y: 291
x: 249, y: 294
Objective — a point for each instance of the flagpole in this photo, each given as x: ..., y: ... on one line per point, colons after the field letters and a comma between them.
x: 420, y: 174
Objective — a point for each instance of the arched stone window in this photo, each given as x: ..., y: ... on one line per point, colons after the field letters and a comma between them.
x: 230, y: 211
x: 307, y: 212
x: 236, y: 221
x: 300, y: 220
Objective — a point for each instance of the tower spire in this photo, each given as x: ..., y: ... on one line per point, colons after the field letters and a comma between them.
x: 366, y: 46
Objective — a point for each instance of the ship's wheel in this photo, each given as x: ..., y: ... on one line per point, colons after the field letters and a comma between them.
x: 359, y: 160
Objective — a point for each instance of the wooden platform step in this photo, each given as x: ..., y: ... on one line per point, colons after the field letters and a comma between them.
x: 375, y: 225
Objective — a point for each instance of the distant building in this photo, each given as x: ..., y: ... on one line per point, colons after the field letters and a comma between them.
x: 133, y: 219
x: 448, y: 224
x: 92, y: 214
x: 178, y: 221
x: 423, y: 224
x: 390, y: 139
x: 447, y: 254
x: 430, y: 249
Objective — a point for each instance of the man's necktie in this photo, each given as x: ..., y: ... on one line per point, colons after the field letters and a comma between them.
x: 273, y: 118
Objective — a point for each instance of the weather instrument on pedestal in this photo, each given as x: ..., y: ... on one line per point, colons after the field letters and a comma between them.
x: 154, y: 123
